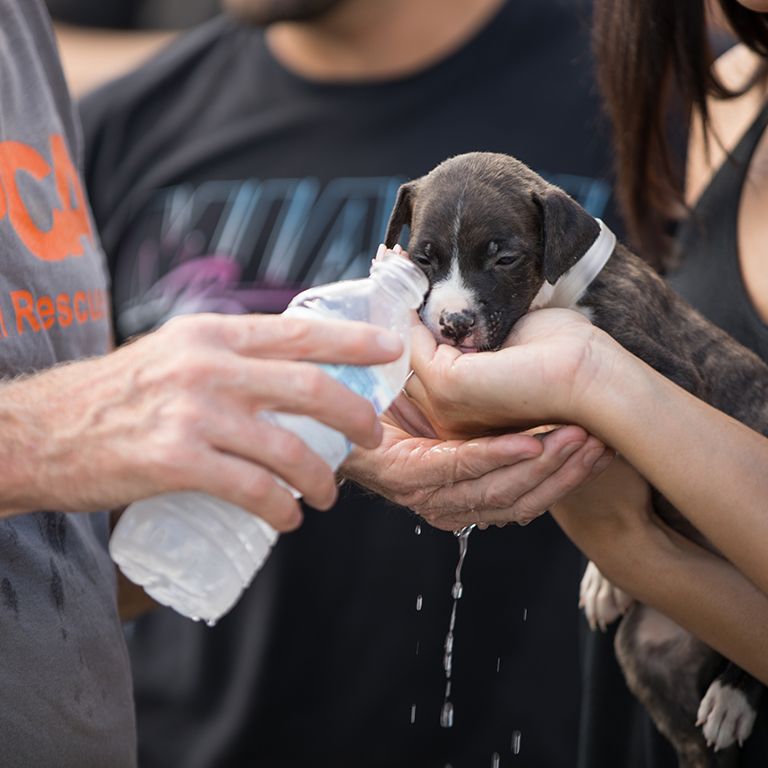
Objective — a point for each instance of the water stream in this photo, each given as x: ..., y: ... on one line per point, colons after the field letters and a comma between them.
x: 446, y: 714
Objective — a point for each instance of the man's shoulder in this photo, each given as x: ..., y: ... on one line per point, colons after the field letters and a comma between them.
x: 193, y: 58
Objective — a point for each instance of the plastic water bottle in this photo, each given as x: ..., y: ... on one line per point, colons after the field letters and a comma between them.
x: 196, y: 553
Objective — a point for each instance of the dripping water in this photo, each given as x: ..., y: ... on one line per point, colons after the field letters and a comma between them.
x: 446, y: 715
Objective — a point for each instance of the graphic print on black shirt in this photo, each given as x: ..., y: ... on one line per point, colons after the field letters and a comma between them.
x: 251, y: 245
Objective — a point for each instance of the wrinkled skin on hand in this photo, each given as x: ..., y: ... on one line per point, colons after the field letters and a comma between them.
x: 178, y: 410
x: 511, y: 478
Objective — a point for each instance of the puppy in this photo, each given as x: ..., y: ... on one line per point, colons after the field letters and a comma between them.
x: 495, y: 241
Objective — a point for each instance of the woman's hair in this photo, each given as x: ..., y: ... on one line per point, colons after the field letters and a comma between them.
x: 654, y: 64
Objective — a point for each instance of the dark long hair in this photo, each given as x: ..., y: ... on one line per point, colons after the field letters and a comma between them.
x: 654, y: 63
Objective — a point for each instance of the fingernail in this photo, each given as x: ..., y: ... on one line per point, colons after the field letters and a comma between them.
x: 397, y: 248
x: 389, y: 342
x: 602, y: 463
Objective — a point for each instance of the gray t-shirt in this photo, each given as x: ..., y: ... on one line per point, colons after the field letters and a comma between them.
x: 65, y: 691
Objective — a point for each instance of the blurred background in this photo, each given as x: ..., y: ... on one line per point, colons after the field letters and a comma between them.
x: 101, y: 40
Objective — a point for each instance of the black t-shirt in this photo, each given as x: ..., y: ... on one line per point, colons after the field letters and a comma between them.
x: 134, y: 14
x: 221, y: 181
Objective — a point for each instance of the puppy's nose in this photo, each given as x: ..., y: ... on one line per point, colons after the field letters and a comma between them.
x: 457, y: 325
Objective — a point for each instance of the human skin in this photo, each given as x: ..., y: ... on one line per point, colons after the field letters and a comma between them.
x: 559, y: 368
x: 177, y: 410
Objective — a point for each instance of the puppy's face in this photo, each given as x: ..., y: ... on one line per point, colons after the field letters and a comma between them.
x: 487, y: 232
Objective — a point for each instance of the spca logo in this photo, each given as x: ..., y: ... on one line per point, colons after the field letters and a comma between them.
x: 43, y: 200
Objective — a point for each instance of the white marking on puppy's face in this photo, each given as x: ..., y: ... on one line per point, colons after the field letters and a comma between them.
x: 449, y: 296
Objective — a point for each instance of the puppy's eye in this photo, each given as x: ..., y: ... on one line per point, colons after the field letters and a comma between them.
x: 506, y: 261
x: 421, y: 260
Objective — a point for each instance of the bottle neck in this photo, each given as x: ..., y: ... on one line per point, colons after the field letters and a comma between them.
x: 400, y: 278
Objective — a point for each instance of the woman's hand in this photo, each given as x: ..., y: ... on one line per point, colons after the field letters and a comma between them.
x: 552, y: 358
x: 511, y: 478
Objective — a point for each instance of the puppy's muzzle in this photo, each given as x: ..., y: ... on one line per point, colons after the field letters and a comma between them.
x: 456, y: 326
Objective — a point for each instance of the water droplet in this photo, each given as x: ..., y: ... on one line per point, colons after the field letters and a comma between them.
x: 413, y: 714
x: 495, y: 760
x: 516, y: 736
x: 419, y: 602
x: 418, y: 530
x: 210, y: 622
x: 498, y: 664
x: 525, y: 614
x: 457, y: 591
x: 446, y: 715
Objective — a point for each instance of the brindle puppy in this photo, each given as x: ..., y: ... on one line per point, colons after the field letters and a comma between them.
x: 496, y: 240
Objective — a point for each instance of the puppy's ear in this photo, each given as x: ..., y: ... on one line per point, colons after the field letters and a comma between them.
x: 567, y: 231
x: 401, y: 213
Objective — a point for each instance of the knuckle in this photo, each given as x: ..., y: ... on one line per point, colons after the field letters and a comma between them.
x: 310, y: 382
x: 294, y: 330
x: 259, y: 487
x: 289, y: 449
x: 188, y: 369
x: 185, y: 329
x: 185, y: 417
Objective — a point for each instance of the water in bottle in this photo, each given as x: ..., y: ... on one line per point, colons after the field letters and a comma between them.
x: 197, y: 553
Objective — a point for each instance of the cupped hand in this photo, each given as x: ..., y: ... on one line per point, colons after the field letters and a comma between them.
x: 511, y: 478
x: 178, y: 410
x: 552, y: 359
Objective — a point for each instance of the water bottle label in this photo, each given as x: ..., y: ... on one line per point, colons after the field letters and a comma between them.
x: 363, y: 381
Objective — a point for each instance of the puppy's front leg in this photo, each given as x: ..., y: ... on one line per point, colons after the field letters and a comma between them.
x: 602, y: 602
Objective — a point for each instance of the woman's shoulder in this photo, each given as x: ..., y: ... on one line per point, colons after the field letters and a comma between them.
x: 729, y: 118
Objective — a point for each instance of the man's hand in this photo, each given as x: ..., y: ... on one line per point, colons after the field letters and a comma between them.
x: 489, y: 480
x: 178, y: 410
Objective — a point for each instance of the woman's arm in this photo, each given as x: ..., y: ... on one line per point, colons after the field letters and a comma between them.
x: 611, y: 521
x: 562, y: 369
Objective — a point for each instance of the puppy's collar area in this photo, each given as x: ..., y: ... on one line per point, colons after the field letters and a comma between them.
x: 572, y: 285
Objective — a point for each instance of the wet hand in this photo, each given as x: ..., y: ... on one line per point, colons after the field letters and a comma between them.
x: 488, y: 480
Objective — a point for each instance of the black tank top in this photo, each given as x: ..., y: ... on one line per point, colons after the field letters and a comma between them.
x: 615, y: 730
x: 709, y: 276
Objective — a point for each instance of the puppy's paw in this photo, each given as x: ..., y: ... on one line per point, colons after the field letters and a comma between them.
x: 725, y: 715
x: 602, y: 602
